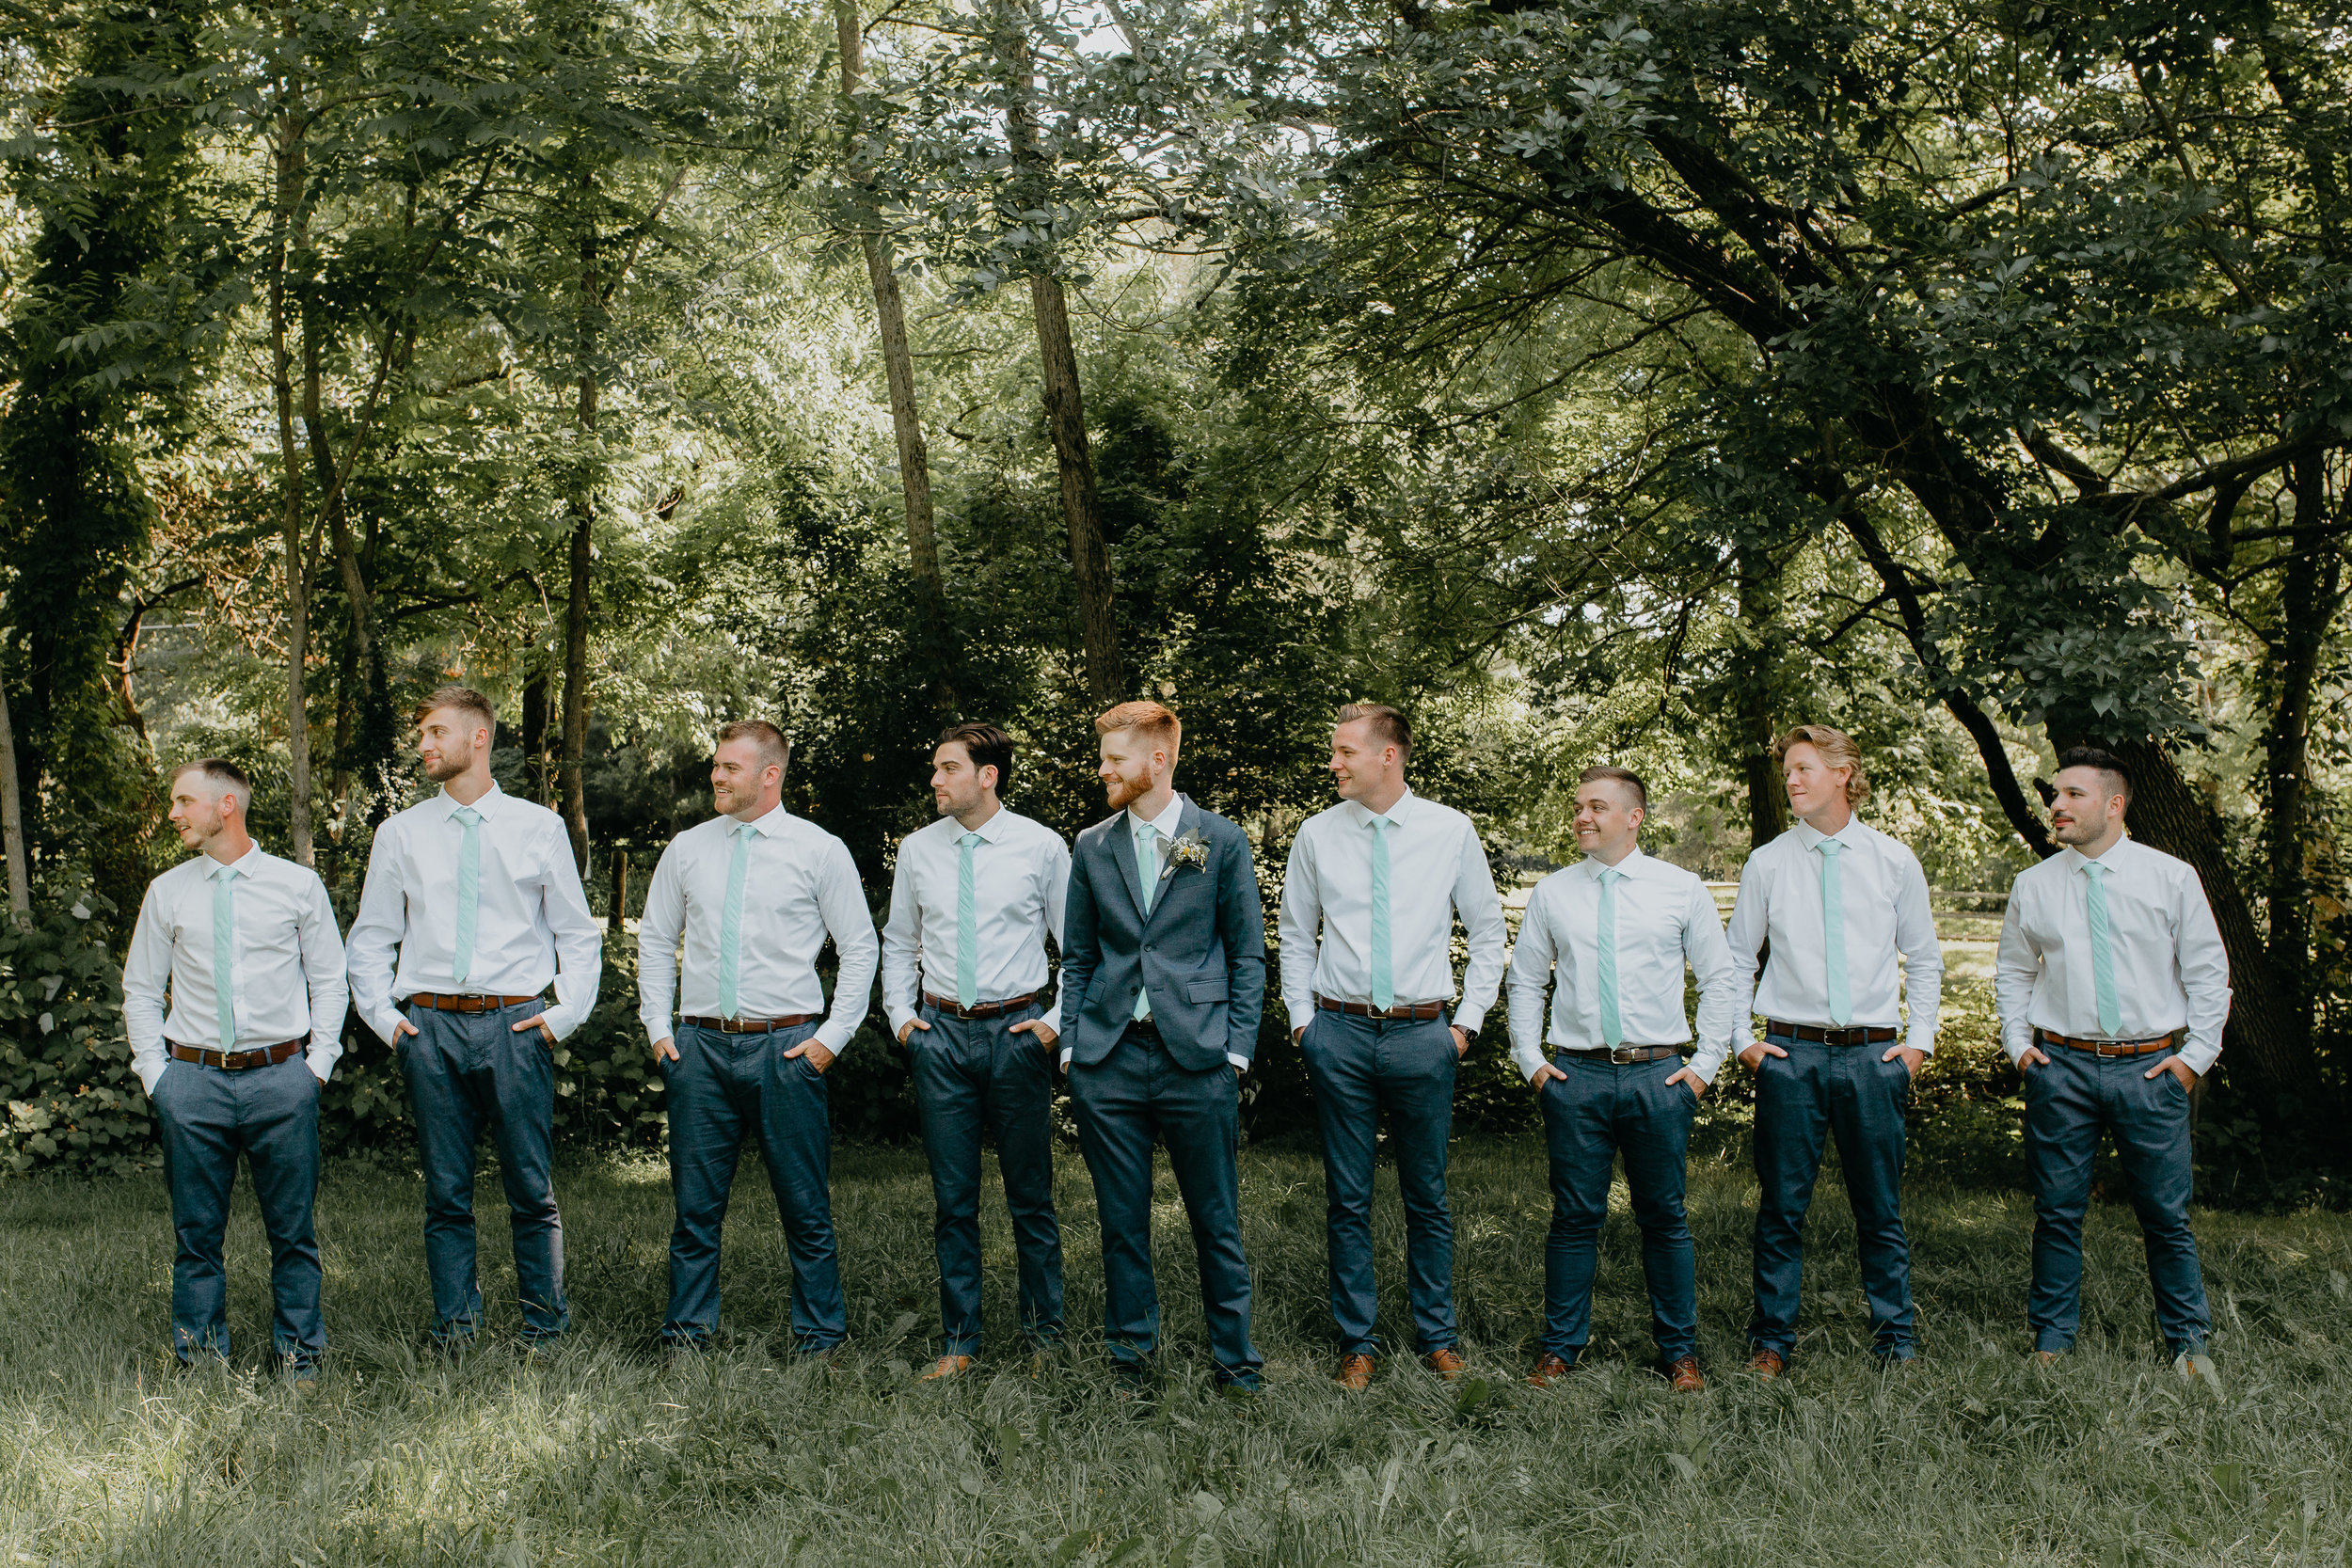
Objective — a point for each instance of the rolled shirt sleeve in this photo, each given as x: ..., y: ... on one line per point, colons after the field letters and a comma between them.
x: 146, y: 974
x: 324, y: 974
x: 841, y: 900
x: 1480, y: 908
x: 657, y: 932
x: 1722, y: 993
x: 1529, y: 975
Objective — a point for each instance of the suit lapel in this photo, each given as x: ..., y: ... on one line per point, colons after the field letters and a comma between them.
x: 1188, y: 822
x: 1121, y: 843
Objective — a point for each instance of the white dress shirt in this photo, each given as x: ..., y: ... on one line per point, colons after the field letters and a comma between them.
x: 2171, y: 969
x: 1884, y: 898
x: 1020, y: 888
x: 800, y: 887
x: 1164, y: 829
x: 1666, y: 918
x: 1436, y: 869
x: 532, y: 923
x: 285, y: 969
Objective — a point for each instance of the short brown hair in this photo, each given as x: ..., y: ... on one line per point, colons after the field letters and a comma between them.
x: 986, y: 745
x: 2106, y: 762
x: 1150, y: 719
x: 1625, y: 776
x: 1386, y: 725
x: 768, y: 740
x: 1838, y: 749
x: 465, y: 699
x: 226, y: 776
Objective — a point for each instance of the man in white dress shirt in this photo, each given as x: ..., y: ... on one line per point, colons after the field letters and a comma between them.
x: 1845, y: 910
x: 963, y: 980
x: 1613, y: 934
x: 753, y: 894
x: 478, y: 894
x: 2113, y: 987
x: 1369, y: 902
x: 246, y: 943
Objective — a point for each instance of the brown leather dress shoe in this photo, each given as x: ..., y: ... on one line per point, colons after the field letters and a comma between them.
x: 1550, y: 1369
x: 946, y: 1367
x: 1446, y: 1362
x: 1767, y: 1364
x: 1683, y: 1374
x: 1355, y: 1373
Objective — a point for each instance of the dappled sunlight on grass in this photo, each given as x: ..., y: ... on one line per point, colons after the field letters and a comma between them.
x: 608, y: 1451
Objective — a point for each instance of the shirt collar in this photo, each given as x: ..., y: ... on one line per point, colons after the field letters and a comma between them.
x: 1363, y: 815
x: 1166, y: 822
x: 244, y: 865
x: 990, y: 831
x: 1848, y: 836
x: 767, y: 825
x: 2075, y: 859
x: 486, y: 808
x: 1629, y: 866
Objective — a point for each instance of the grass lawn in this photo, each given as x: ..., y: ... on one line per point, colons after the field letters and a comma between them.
x: 606, y: 1453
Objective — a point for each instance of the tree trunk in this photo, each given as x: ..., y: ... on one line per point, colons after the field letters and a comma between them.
x: 2307, y: 607
x: 289, y: 158
x: 2266, y: 1056
x: 582, y: 552
x: 535, y: 727
x: 914, y: 473
x: 12, y: 819
x: 1065, y: 412
x: 620, y: 886
x: 1752, y: 685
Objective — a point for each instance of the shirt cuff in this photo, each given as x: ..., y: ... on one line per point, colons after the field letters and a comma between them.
x: 322, y: 1058
x: 385, y: 1022
x: 563, y: 1021
x: 1065, y: 1057
x: 1241, y: 1064
x: 1471, y: 1020
x: 2200, y: 1056
x: 148, y: 1075
x: 899, y: 1016
x: 658, y: 1026
x: 834, y: 1036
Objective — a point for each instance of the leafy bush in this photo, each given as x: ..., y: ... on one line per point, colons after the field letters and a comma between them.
x: 74, y: 1101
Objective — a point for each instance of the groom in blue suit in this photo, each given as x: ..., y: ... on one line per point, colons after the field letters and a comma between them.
x: 1163, y: 980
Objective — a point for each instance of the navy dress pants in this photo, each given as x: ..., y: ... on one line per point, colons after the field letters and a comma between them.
x: 1133, y: 1098
x: 2068, y: 1101
x: 1359, y: 1067
x: 1599, y: 1111
x: 976, y: 1076
x: 721, y: 1087
x: 468, y: 1072
x: 1813, y: 1093
x: 270, y: 1115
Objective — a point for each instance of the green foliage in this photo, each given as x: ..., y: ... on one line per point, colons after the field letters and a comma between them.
x: 73, y: 1103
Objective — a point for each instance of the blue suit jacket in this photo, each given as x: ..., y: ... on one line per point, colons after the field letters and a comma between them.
x: 1201, y: 950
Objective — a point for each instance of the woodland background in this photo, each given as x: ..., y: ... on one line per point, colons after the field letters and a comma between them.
x: 1597, y: 381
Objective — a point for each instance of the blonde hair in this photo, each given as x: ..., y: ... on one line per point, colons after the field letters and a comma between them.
x: 1150, y: 719
x: 1838, y: 749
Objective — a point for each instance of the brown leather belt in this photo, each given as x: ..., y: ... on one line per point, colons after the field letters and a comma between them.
x: 750, y: 1025
x: 984, y: 1009
x: 1365, y: 1010
x: 2110, y: 1048
x: 1623, y: 1055
x: 441, y: 1003
x: 1831, y: 1036
x: 237, y: 1061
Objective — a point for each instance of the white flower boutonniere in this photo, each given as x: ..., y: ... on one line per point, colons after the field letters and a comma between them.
x: 1187, y: 849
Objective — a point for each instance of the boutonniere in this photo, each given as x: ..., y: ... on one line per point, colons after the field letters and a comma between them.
x: 1186, y: 848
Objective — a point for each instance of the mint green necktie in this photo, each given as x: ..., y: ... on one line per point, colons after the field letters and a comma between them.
x: 1833, y: 933
x: 224, y: 952
x: 1612, y: 1026
x: 2102, y: 953
x: 1148, y: 870
x: 1383, y: 958
x: 967, y: 917
x: 731, y: 919
x: 468, y: 891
